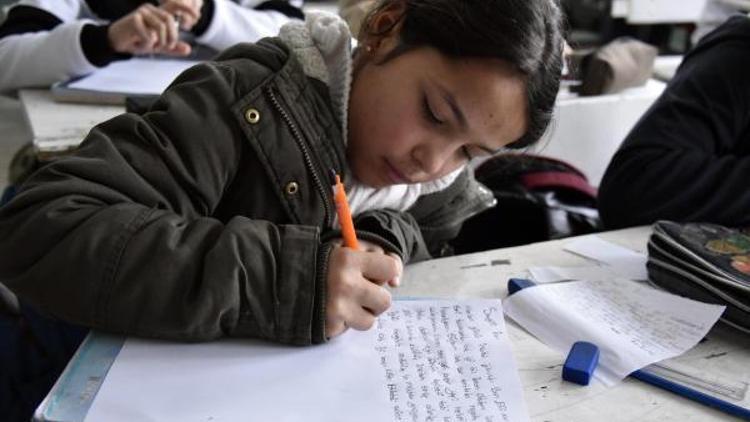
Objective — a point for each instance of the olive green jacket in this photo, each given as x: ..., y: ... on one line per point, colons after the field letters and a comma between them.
x: 210, y: 215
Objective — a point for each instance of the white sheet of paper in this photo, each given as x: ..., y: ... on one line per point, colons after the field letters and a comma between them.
x: 629, y: 264
x: 616, y: 262
x: 134, y: 76
x: 543, y: 275
x: 449, y: 361
x: 441, y: 358
x: 633, y: 325
x: 242, y: 380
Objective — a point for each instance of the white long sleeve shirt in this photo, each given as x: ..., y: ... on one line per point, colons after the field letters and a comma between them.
x: 48, y: 47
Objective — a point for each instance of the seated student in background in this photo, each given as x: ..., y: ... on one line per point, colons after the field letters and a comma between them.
x: 46, y: 41
x: 211, y: 215
x: 688, y: 158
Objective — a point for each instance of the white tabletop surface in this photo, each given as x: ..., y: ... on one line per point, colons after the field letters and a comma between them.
x: 548, y: 398
x: 61, y: 126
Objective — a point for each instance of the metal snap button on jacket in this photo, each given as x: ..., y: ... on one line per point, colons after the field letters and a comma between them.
x: 292, y: 188
x: 252, y: 116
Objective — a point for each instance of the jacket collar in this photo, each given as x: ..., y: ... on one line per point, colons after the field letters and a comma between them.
x: 322, y: 45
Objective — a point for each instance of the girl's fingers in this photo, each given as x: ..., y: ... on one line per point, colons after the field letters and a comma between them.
x: 361, y: 320
x: 140, y: 29
x: 396, y: 281
x: 164, y: 25
x: 170, y: 27
x: 380, y: 268
x: 374, y: 299
x: 147, y: 45
x: 155, y: 26
x: 173, y: 32
x: 356, y: 295
x: 180, y: 49
x: 334, y: 329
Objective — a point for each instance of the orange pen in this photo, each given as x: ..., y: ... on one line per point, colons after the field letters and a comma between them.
x: 345, y: 216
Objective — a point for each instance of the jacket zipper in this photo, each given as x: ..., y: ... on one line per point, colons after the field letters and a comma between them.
x: 322, y: 283
x: 305, y: 153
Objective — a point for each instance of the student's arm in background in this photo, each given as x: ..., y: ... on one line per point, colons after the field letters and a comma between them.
x: 688, y: 158
x: 225, y: 23
x: 120, y: 236
x: 46, y: 41
x: 40, y: 43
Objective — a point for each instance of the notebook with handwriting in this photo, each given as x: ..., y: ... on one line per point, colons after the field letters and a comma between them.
x: 424, y: 360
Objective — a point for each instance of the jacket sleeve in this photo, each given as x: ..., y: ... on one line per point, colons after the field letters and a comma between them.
x: 43, y: 42
x: 39, y: 47
x: 394, y: 231
x: 119, y: 236
x: 423, y: 232
x: 231, y: 23
x: 688, y: 158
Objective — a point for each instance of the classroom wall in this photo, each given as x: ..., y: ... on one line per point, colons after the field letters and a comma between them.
x: 586, y: 131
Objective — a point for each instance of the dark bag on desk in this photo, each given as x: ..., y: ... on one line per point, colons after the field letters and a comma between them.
x: 622, y: 63
x: 538, y: 198
x: 705, y: 262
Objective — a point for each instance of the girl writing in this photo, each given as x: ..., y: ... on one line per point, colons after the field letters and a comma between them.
x: 211, y: 215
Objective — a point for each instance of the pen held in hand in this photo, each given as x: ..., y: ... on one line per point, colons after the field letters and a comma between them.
x: 345, y: 216
x: 177, y: 20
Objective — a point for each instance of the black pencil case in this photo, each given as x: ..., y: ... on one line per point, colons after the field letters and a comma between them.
x: 705, y: 262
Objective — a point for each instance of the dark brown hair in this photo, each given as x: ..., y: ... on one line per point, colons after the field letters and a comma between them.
x: 525, y: 33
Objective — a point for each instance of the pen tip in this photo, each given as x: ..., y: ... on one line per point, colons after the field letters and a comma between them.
x: 334, y: 175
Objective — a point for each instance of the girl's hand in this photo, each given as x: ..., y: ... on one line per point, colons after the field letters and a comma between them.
x: 189, y: 11
x: 372, y: 247
x: 356, y: 292
x: 147, y: 29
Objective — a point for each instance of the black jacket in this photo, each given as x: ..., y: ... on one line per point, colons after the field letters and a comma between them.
x: 688, y: 158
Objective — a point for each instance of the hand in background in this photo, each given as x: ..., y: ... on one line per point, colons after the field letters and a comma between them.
x: 148, y: 29
x: 189, y: 11
x: 356, y: 292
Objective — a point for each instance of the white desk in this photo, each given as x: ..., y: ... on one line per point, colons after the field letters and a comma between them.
x: 639, y: 12
x: 548, y: 398
x: 14, y: 134
x: 59, y: 127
